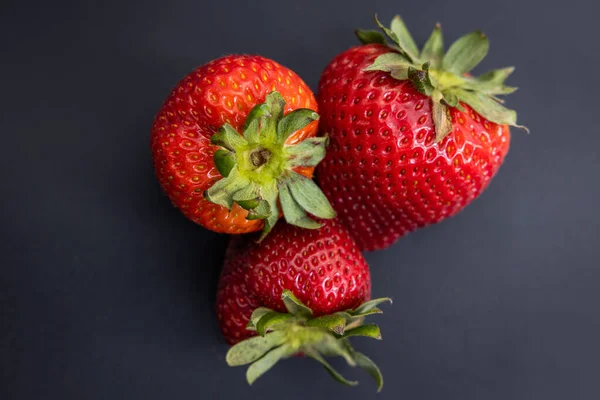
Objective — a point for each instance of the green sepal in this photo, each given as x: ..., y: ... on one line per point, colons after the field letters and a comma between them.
x: 294, y: 121
x: 333, y: 322
x: 224, y: 161
x: 252, y: 349
x: 293, y: 213
x: 405, y: 39
x: 270, y: 320
x: 334, y: 374
x: 394, y: 39
x: 369, y: 330
x: 256, y: 316
x: 370, y: 305
x: 466, y: 53
x: 488, y: 108
x: 394, y: 63
x: 222, y: 191
x: 440, y: 113
x: 445, y: 74
x: 300, y: 332
x: 258, y: 368
x: 228, y: 138
x: 433, y: 50
x: 257, y: 112
x: 261, y: 211
x: 308, y: 153
x: 253, y: 164
x: 369, y: 36
x: 309, y: 197
x: 420, y: 79
x: 368, y: 365
x: 248, y: 197
x: 270, y: 195
x: 295, y: 306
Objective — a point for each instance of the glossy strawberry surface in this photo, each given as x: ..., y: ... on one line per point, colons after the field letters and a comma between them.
x: 323, y: 268
x: 222, y: 91
x: 383, y: 172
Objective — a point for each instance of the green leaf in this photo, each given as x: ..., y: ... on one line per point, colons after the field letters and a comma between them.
x: 466, y: 53
x: 295, y: 306
x: 294, y: 121
x: 309, y: 196
x: 276, y: 104
x: 252, y: 349
x: 248, y: 197
x: 336, y: 375
x: 369, y: 36
x: 394, y: 63
x: 491, y: 82
x: 224, y: 161
x: 264, y: 364
x: 420, y: 79
x: 330, y: 345
x: 368, y: 365
x: 488, y: 108
x: 247, y: 193
x: 261, y: 211
x: 257, y: 112
x: 222, y: 191
x: 394, y: 39
x: 369, y: 330
x: 257, y: 314
x: 252, y: 132
x: 307, y: 153
x: 293, y: 213
x: 333, y: 322
x: 228, y: 138
x: 269, y: 320
x: 405, y: 40
x: 450, y: 98
x: 269, y: 194
x: 388, y: 62
x: 388, y: 32
x: 372, y: 311
x: 370, y: 305
x: 441, y: 116
x: 433, y: 51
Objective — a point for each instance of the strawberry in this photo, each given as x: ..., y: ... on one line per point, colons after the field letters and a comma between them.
x: 224, y: 151
x: 414, y: 137
x: 302, y: 291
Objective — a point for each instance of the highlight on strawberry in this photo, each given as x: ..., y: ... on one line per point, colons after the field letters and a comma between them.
x: 234, y: 140
x: 414, y: 136
x: 298, y: 291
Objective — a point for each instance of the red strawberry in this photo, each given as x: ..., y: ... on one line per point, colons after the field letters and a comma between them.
x: 197, y: 140
x: 304, y: 291
x: 414, y: 137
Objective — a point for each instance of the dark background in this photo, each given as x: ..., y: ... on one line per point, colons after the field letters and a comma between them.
x: 107, y: 291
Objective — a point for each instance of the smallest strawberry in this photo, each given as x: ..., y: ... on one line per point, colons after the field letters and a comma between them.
x: 283, y: 335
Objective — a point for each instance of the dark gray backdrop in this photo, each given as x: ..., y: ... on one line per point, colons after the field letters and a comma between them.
x: 107, y: 291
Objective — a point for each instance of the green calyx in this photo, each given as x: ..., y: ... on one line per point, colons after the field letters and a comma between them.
x: 282, y: 335
x: 258, y: 167
x: 443, y: 75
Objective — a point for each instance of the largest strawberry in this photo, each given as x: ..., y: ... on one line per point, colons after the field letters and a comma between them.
x: 414, y: 137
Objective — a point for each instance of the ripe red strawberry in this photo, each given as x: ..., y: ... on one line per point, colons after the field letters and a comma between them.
x: 414, y: 137
x: 229, y: 182
x: 304, y: 291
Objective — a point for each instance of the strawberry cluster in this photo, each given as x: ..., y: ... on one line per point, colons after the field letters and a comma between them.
x: 401, y: 138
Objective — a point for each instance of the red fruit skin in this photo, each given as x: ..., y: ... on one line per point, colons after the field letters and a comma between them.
x: 383, y: 173
x: 222, y: 91
x: 323, y: 268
